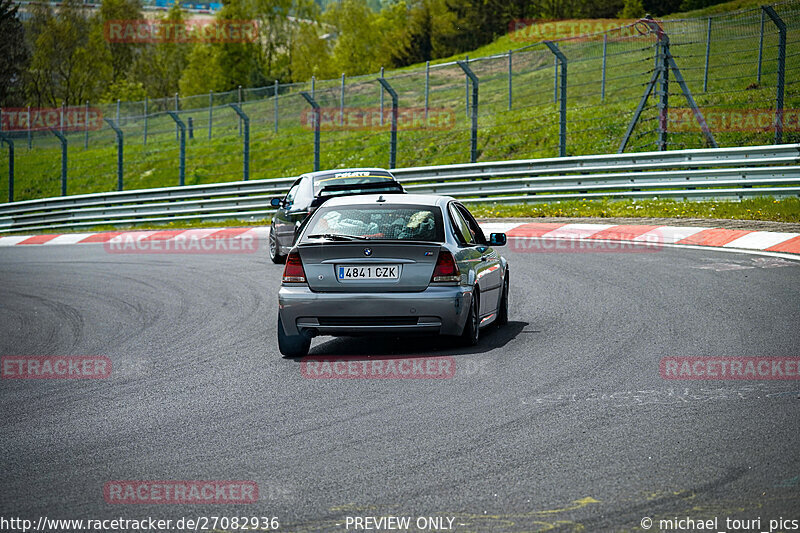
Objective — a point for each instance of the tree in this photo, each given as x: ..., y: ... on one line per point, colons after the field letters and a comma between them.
x: 70, y: 63
x: 311, y: 54
x: 633, y: 10
x: 122, y: 54
x: 203, y: 73
x: 160, y: 66
x: 14, y: 55
x: 358, y: 44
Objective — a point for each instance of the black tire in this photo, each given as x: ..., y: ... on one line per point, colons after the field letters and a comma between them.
x: 274, y: 251
x: 292, y: 345
x: 472, y: 328
x: 502, y: 311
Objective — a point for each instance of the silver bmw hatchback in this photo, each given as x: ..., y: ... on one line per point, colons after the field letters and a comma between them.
x: 391, y: 264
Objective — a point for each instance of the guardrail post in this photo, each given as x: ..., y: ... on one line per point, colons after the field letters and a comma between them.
x: 210, y: 112
x: 561, y: 60
x: 470, y: 76
x: 393, y: 141
x: 509, y: 79
x: 10, y: 142
x: 315, y: 107
x: 182, y: 161
x: 781, y: 71
x: 63, y: 160
x: 708, y: 53
x: 246, y: 148
x: 760, y: 47
x: 118, y: 131
x: 605, y: 56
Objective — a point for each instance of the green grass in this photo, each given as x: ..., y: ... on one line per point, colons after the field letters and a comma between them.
x: 528, y: 130
x: 785, y: 210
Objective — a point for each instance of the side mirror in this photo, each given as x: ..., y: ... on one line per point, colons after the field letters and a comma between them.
x: 276, y: 202
x: 497, y: 239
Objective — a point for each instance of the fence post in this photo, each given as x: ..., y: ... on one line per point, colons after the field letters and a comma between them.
x: 381, y: 98
x: 760, y: 47
x: 246, y: 147
x: 781, y: 71
x: 176, y: 110
x: 210, y: 112
x: 427, y: 87
x: 393, y: 139
x: 663, y: 92
x: 118, y: 131
x: 144, y: 142
x: 315, y: 107
x: 240, y: 104
x: 190, y: 125
x: 708, y: 53
x: 61, y: 121
x: 275, y: 95
x: 555, y: 79
x: 605, y: 56
x: 562, y: 60
x: 29, y: 126
x: 63, y: 160
x: 466, y: 90
x: 117, y: 120
x: 10, y: 165
x: 474, y: 134
x: 341, y: 103
x: 509, y: 80
x: 182, y: 161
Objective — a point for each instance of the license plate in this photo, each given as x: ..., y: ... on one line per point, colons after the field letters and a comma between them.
x: 368, y: 272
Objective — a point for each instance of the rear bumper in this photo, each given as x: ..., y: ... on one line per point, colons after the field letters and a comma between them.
x: 437, y: 310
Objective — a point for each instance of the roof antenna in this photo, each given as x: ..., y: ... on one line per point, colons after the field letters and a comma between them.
x: 381, y: 199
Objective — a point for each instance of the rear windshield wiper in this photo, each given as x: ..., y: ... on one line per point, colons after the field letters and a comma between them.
x: 335, y: 237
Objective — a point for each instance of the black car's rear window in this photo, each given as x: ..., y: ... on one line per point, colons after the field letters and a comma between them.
x: 379, y: 221
x: 353, y: 178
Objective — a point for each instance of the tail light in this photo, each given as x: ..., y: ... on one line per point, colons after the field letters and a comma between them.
x: 445, y: 269
x: 293, y: 271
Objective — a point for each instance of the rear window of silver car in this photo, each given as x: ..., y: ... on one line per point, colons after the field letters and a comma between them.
x: 392, y: 222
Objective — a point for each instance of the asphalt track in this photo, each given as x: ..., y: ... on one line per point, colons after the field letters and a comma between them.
x: 558, y: 421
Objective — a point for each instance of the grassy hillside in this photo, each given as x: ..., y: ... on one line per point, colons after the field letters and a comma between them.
x: 525, y: 128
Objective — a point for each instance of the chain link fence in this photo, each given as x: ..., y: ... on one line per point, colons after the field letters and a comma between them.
x: 600, y: 93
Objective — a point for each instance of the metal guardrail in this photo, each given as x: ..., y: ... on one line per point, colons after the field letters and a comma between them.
x: 721, y: 173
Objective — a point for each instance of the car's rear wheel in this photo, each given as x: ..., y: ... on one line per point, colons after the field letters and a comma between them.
x: 274, y: 249
x: 472, y: 327
x: 292, y: 345
x: 502, y: 311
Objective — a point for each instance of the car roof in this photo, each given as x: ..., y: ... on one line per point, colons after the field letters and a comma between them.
x: 394, y: 199
x: 332, y: 172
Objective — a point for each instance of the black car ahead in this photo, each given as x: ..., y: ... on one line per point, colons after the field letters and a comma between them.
x: 311, y: 190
